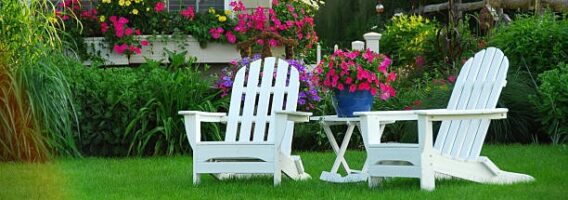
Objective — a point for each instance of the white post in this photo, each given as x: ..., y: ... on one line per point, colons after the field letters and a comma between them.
x: 357, y: 45
x: 318, y: 54
x: 372, y: 40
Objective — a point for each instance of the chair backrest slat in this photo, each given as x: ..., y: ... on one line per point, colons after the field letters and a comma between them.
x: 279, y: 94
x: 254, y: 101
x: 496, y: 89
x: 478, y: 87
x: 262, y: 114
x: 235, y: 106
x: 250, y: 101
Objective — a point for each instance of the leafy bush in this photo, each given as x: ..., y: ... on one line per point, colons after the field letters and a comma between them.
x: 409, y: 36
x: 521, y: 125
x: 125, y: 111
x: 553, y: 102
x: 536, y: 43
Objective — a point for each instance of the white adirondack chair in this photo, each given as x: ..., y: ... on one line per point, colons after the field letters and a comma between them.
x: 260, y: 125
x: 461, y: 135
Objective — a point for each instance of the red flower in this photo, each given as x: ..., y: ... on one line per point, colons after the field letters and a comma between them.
x: 128, y: 31
x: 419, y: 61
x: 122, y: 20
x: 119, y: 49
x: 104, y: 27
x: 160, y: 6
x: 273, y: 42
x: 135, y: 49
x: 144, y: 43
x: 216, y: 32
x: 231, y: 37
x: 188, y: 13
x: 452, y: 79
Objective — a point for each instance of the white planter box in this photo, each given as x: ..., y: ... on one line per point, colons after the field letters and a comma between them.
x: 213, y: 53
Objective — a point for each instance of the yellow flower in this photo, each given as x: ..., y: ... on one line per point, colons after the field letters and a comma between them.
x: 135, y: 11
x: 137, y: 1
x: 211, y: 10
x: 121, y: 2
x: 106, y: 1
x: 52, y: 19
x: 147, y: 8
x: 102, y: 18
x: 228, y: 12
x: 128, y: 2
x: 222, y: 18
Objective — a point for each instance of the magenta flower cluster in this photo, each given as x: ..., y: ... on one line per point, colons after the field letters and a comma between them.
x: 283, y: 18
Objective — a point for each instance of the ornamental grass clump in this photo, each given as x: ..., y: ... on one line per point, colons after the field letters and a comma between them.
x: 356, y: 71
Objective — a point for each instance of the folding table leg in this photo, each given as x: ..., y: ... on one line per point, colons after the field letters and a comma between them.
x: 340, y: 156
x: 335, y: 148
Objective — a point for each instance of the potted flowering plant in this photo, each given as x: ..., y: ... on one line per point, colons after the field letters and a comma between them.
x: 355, y: 78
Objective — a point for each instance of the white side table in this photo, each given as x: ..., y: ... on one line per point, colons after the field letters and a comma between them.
x: 333, y: 175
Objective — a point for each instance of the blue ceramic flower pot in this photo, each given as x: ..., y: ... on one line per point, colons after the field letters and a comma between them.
x: 346, y: 102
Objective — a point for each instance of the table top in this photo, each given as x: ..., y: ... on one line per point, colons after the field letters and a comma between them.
x: 334, y: 118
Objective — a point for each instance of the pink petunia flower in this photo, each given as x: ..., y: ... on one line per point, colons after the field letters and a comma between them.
x: 160, y: 6
x: 216, y: 32
x: 122, y: 20
x: 391, y: 77
x: 104, y: 27
x: 188, y: 13
x: 135, y: 49
x: 452, y: 79
x: 128, y: 31
x: 273, y: 42
x: 144, y: 43
x: 119, y: 49
x: 231, y: 37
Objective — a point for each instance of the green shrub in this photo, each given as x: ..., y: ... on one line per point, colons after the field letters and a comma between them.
x: 536, y: 43
x: 126, y: 111
x: 553, y: 103
x: 409, y: 36
x: 521, y: 125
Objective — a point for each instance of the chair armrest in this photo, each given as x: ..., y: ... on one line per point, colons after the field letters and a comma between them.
x: 295, y: 116
x: 399, y: 115
x: 205, y: 116
x: 192, y: 122
x: 281, y: 121
x: 444, y: 114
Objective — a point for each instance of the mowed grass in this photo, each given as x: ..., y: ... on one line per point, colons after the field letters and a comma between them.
x: 170, y: 178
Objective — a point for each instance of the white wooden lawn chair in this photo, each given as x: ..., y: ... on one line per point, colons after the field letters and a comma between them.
x: 260, y: 125
x: 461, y: 135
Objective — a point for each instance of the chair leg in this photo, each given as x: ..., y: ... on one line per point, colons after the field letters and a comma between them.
x: 374, y: 181
x: 277, y: 176
x: 427, y: 179
x: 196, y: 178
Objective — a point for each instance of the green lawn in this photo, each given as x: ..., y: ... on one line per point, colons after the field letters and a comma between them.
x: 170, y: 178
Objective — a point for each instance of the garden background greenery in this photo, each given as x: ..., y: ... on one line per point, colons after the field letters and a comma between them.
x: 54, y: 108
